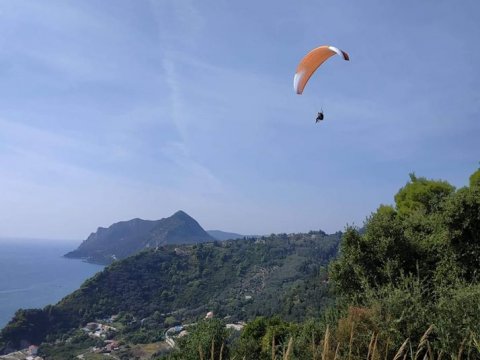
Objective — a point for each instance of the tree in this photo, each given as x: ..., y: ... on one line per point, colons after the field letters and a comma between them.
x: 417, y: 264
x: 259, y: 335
x: 202, y: 338
x: 461, y: 218
x: 421, y: 194
x: 475, y: 179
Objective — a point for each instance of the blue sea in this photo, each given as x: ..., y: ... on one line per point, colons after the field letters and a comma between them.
x: 33, y: 274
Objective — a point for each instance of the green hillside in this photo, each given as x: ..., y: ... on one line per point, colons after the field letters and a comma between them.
x: 241, y: 279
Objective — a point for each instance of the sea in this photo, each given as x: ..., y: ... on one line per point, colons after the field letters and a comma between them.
x: 33, y: 274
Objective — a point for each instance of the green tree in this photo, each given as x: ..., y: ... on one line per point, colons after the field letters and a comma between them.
x: 421, y: 194
x: 417, y: 264
x: 377, y: 257
x: 475, y: 179
x: 259, y: 335
x: 202, y: 338
x: 461, y: 219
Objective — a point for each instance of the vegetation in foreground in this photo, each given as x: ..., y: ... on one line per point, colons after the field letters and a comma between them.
x: 408, y: 288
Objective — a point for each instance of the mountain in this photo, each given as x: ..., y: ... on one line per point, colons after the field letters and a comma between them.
x: 241, y: 279
x: 223, y: 235
x: 126, y: 238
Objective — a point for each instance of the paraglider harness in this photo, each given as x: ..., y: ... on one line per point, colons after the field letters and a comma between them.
x: 319, y: 117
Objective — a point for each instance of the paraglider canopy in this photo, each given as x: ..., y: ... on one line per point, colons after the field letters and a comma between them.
x: 312, y: 62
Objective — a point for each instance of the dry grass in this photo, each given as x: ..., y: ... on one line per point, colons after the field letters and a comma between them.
x: 331, y: 349
x: 288, y: 353
x: 424, y: 345
x: 326, y: 344
x: 400, y: 351
x: 378, y: 349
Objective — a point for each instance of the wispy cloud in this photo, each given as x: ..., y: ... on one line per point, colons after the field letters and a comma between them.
x: 179, y: 22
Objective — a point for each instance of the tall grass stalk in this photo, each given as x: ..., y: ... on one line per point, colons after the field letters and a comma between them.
x: 370, y: 345
x: 326, y: 344
x: 440, y: 355
x: 387, y: 344
x: 430, y: 352
x: 221, y: 350
x: 400, y: 351
x: 350, y: 342
x: 273, y: 347
x: 423, y: 342
x: 460, y: 350
x: 337, y: 352
x: 476, y: 343
x: 289, y: 349
x: 212, y: 351
x: 374, y: 351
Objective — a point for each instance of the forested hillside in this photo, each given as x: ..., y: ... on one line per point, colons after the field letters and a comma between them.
x: 240, y: 279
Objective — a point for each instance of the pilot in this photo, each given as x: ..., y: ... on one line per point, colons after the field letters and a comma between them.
x: 319, y: 117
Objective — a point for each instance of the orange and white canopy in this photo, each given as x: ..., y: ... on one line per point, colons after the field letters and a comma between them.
x: 312, y: 62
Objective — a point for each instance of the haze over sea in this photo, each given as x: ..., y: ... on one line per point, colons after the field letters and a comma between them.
x: 33, y: 274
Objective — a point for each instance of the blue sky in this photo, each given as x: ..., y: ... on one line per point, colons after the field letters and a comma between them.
x: 111, y: 110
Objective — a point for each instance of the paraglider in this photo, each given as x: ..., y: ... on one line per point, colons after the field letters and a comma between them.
x: 310, y: 63
x: 319, y: 117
